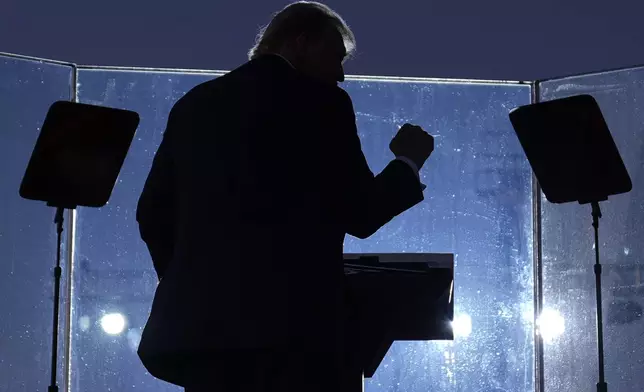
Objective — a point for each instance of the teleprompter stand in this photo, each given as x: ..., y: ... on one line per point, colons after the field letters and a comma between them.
x: 76, y: 161
x: 574, y: 158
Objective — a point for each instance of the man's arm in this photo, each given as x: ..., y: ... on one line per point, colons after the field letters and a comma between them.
x: 372, y: 201
x: 155, y: 211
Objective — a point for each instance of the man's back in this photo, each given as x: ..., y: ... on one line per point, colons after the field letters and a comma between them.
x: 259, y: 177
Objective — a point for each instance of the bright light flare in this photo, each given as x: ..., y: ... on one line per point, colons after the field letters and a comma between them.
x: 462, y: 325
x: 550, y: 325
x: 113, y: 323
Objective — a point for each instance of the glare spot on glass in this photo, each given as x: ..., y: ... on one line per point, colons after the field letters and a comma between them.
x: 133, y: 338
x: 527, y: 314
x: 550, y: 325
x: 113, y: 323
x: 627, y: 251
x: 83, y: 323
x: 462, y: 325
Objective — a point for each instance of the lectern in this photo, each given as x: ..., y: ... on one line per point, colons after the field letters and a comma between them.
x: 391, y: 297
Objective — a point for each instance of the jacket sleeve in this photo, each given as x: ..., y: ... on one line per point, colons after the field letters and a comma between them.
x: 372, y: 201
x: 155, y: 212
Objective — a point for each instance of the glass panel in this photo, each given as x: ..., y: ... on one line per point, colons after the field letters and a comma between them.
x: 114, y: 272
x: 27, y: 232
x: 568, y: 253
x: 478, y: 205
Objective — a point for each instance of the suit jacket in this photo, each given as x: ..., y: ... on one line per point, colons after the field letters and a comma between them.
x: 258, y: 178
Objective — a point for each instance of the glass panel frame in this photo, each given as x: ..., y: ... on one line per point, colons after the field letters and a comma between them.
x: 37, y: 248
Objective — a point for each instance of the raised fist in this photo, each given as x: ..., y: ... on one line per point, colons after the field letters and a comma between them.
x: 414, y: 143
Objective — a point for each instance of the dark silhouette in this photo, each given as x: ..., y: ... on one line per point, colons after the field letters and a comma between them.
x: 258, y: 178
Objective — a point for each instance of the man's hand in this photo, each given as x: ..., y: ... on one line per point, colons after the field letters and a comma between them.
x: 414, y: 143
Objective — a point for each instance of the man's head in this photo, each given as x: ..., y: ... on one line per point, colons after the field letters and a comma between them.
x: 313, y: 37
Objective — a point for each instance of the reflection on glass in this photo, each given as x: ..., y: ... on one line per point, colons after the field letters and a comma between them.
x: 568, y: 253
x: 478, y: 206
x: 27, y: 232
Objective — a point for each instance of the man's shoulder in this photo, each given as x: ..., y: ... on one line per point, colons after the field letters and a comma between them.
x: 250, y: 75
x: 317, y: 91
x: 332, y: 94
x: 199, y: 90
x: 269, y: 73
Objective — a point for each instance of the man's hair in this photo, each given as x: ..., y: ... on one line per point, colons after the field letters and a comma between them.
x: 303, y: 17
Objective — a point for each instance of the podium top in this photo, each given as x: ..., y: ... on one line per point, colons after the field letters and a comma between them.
x: 431, y: 260
x: 391, y: 297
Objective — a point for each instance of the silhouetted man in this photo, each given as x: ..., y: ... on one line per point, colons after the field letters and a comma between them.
x: 258, y: 178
